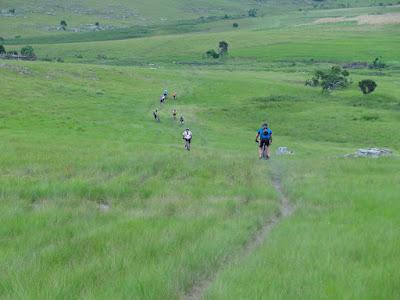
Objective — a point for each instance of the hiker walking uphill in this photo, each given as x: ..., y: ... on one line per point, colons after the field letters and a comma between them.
x: 264, y: 139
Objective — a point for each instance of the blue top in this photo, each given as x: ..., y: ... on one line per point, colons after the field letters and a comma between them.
x: 264, y: 136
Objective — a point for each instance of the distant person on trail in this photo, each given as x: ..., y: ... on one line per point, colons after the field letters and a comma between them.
x: 264, y: 139
x: 156, y: 116
x: 174, y: 114
x: 181, y: 120
x: 162, y: 99
x: 187, y: 137
x: 174, y: 95
x: 165, y: 93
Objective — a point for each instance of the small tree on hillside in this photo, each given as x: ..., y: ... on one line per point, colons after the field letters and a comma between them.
x: 63, y: 24
x: 332, y: 79
x: 252, y: 12
x: 377, y: 63
x: 212, y: 54
x: 235, y: 25
x: 367, y: 86
x: 28, y: 51
x: 2, y: 49
x: 223, y: 48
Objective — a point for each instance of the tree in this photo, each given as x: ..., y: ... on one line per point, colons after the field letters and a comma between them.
x: 332, y: 79
x: 252, y: 12
x: 11, y: 11
x: 2, y: 49
x: 223, y: 48
x: 212, y: 54
x: 63, y: 24
x: 28, y: 51
x: 377, y: 63
x: 367, y: 86
x: 235, y: 25
x: 97, y: 24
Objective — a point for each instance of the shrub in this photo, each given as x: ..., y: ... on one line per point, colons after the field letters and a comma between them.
x: 332, y: 79
x: 223, y: 48
x: 63, y: 24
x: 212, y: 54
x: 367, y: 86
x: 252, y: 12
x: 11, y: 11
x: 97, y: 24
x: 27, y: 51
x: 377, y: 63
x: 2, y: 49
x: 60, y: 59
x: 235, y: 25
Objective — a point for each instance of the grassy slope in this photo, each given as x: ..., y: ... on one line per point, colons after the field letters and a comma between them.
x: 98, y: 137
x: 41, y: 18
x: 78, y: 135
x: 258, y: 41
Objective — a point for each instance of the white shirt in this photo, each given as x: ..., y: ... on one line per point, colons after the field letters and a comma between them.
x: 187, y: 134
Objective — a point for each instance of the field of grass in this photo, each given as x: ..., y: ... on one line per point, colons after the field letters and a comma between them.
x: 99, y: 201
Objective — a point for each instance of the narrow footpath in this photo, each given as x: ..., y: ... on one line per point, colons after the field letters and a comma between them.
x: 257, y: 239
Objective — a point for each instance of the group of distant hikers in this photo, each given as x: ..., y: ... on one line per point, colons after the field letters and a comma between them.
x: 263, y: 137
x: 187, y: 134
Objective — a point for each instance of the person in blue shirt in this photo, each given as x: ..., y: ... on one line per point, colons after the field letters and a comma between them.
x: 264, y: 138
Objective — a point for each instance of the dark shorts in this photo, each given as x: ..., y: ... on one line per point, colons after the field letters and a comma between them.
x: 188, y: 140
x: 265, y: 142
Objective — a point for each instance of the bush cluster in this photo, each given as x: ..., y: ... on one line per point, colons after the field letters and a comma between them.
x: 332, y: 79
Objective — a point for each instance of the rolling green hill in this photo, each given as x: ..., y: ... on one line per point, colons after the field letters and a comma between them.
x: 100, y: 201
x: 42, y: 17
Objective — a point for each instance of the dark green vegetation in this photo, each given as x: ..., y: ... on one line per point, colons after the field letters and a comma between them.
x: 97, y: 200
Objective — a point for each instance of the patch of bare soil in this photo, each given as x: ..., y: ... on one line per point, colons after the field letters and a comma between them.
x: 389, y: 18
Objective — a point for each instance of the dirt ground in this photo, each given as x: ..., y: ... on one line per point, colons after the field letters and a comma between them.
x: 390, y: 18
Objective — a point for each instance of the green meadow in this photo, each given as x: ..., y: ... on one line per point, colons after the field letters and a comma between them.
x: 99, y: 201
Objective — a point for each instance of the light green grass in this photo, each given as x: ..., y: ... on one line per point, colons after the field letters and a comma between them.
x: 342, y: 241
x: 75, y: 136
x: 174, y: 215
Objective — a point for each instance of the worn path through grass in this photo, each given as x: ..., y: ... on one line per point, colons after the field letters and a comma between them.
x: 258, y: 238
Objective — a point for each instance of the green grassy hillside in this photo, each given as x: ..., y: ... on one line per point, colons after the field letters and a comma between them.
x: 97, y: 200
x: 42, y: 18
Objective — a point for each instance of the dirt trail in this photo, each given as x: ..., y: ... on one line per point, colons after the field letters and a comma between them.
x: 257, y: 239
